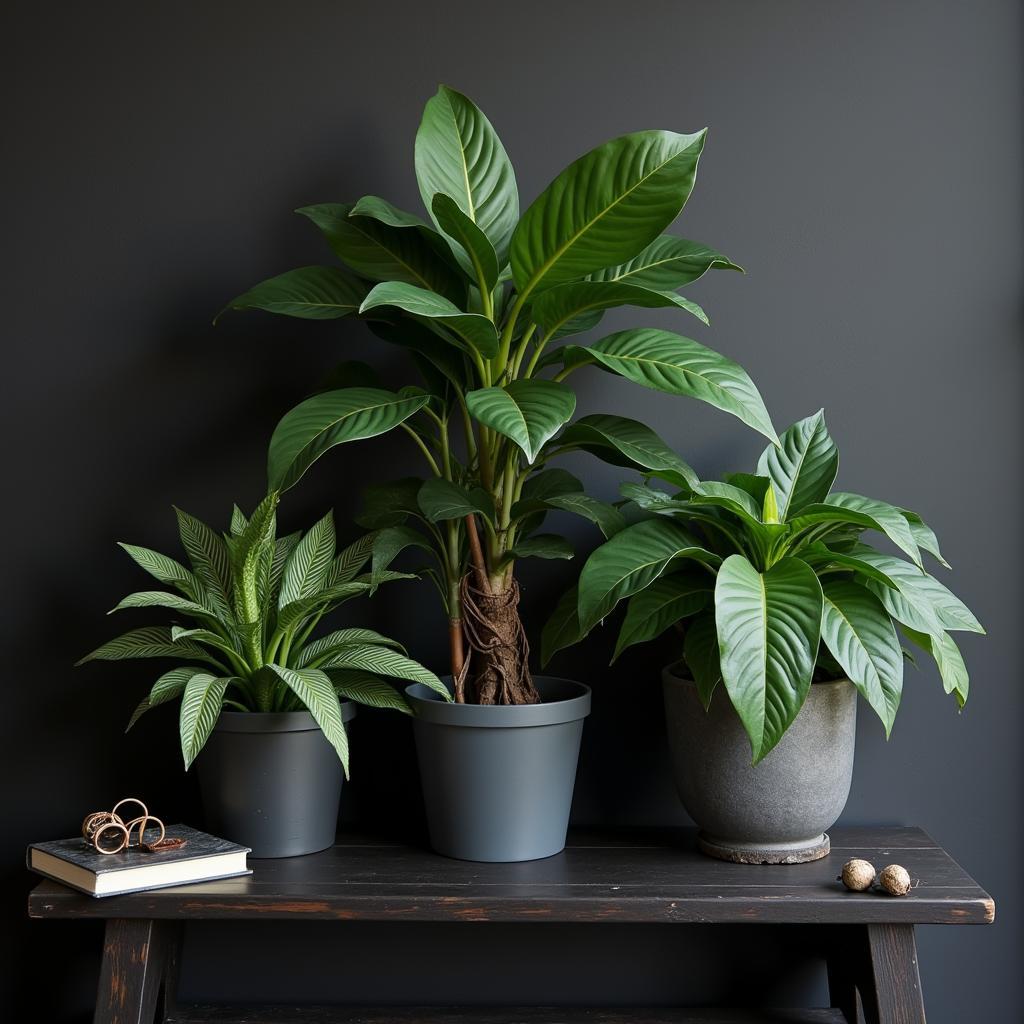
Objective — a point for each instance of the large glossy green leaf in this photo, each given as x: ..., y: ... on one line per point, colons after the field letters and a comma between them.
x: 919, y: 600
x: 459, y: 154
x: 666, y: 264
x: 606, y: 517
x: 769, y: 626
x: 383, y: 252
x: 168, y: 687
x: 664, y: 603
x: 563, y: 628
x: 861, y: 637
x: 604, y: 208
x: 885, y: 517
x: 803, y: 467
x: 316, y: 691
x: 441, y: 499
x: 201, y: 703
x: 147, y: 642
x: 474, y: 251
x: 632, y: 560
x: 625, y: 442
x: 310, y: 293
x: 208, y: 554
x: 391, y: 541
x: 732, y: 499
x: 681, y: 366
x: 385, y: 212
x: 320, y: 649
x: 307, y: 568
x: 952, y: 670
x: 700, y: 651
x: 390, y: 503
x: 558, y: 306
x: 474, y: 331
x: 335, y: 417
x: 366, y: 688
x: 542, y: 545
x: 528, y: 412
x: 386, y: 662
x: 164, y: 569
x: 925, y: 536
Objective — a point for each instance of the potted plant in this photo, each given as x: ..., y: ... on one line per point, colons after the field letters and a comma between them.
x: 478, y: 297
x: 786, y: 615
x: 264, y: 695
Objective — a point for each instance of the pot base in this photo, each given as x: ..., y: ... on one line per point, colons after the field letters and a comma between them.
x: 764, y: 853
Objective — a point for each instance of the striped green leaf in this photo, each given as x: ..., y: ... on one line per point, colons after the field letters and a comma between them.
x: 164, y: 569
x: 350, y: 560
x: 309, y: 563
x: 201, y: 703
x: 209, y: 557
x: 292, y: 614
x: 168, y: 687
x: 147, y: 642
x: 161, y: 599
x: 320, y: 650
x: 366, y: 688
x: 386, y: 662
x: 316, y: 691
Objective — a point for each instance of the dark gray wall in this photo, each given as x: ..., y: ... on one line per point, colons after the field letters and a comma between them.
x: 864, y: 164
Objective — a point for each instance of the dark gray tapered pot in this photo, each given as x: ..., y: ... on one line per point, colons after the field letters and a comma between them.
x: 272, y: 782
x: 775, y: 812
x: 498, y: 781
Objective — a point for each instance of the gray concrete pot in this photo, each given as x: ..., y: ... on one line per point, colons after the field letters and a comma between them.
x: 777, y: 811
x: 498, y: 781
x: 272, y: 782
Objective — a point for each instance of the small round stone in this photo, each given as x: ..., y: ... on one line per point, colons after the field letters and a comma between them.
x: 895, y: 880
x: 858, y: 875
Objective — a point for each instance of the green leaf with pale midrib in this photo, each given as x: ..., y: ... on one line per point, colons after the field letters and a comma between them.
x: 604, y: 208
x: 671, y: 363
x: 335, y: 417
x: 201, y: 704
x: 316, y: 691
x: 666, y: 264
x: 528, y: 412
x: 661, y: 605
x: 309, y: 293
x: 802, y: 467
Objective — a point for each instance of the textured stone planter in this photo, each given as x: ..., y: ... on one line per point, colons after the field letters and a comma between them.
x: 498, y: 781
x: 272, y: 782
x: 775, y: 812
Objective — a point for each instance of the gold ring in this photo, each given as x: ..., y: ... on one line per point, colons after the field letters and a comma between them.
x: 111, y: 826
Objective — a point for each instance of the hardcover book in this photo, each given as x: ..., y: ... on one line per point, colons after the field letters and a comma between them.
x: 75, y: 863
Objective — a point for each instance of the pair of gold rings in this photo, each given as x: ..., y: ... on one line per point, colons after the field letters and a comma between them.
x: 107, y: 832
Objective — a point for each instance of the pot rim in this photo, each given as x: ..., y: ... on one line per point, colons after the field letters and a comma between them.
x: 428, y: 707
x: 276, y: 721
x: 670, y: 675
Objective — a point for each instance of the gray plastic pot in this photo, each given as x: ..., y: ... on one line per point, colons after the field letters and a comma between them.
x: 272, y: 782
x: 497, y: 780
x: 775, y: 812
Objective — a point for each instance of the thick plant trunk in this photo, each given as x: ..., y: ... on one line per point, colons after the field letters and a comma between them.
x: 496, y: 668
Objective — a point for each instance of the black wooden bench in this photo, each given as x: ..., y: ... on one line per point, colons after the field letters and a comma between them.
x: 640, y: 877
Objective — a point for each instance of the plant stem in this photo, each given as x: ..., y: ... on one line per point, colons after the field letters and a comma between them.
x: 476, y: 553
x: 432, y: 462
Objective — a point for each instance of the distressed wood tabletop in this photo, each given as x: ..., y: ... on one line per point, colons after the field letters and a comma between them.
x: 642, y: 876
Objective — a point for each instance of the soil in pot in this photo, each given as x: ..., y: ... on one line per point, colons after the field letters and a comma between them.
x: 498, y: 779
x: 272, y: 782
x: 775, y: 812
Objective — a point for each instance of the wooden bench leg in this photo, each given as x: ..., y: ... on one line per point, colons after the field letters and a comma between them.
x: 136, y: 954
x: 891, y: 987
x: 844, y: 958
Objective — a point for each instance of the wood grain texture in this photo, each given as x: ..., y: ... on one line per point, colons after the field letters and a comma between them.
x: 638, y: 876
x: 495, y: 1015
x: 891, y: 992
x: 135, y: 957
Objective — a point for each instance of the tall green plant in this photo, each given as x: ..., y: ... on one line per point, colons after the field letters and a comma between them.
x: 255, y: 601
x: 769, y: 576
x: 479, y: 296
